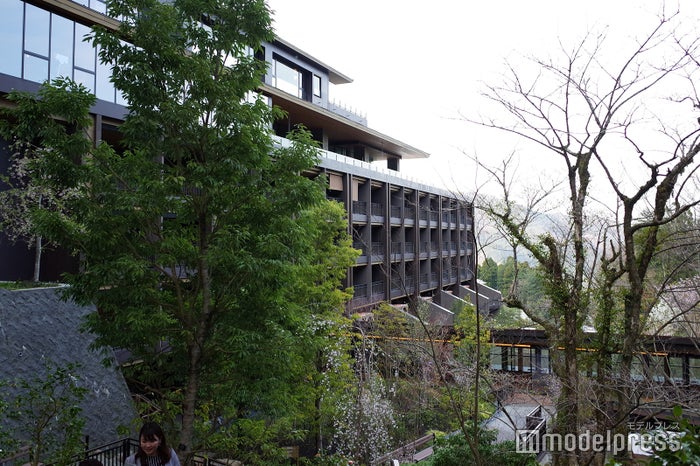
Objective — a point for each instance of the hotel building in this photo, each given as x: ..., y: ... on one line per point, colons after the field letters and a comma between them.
x: 416, y: 240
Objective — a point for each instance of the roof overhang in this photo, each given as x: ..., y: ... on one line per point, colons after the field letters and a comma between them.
x: 335, y: 76
x: 337, y: 127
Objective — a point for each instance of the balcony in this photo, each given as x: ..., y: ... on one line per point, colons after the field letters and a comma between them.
x: 378, y: 292
x: 377, y: 251
x: 362, y: 247
x: 397, y: 250
x: 346, y: 112
x: 359, y: 211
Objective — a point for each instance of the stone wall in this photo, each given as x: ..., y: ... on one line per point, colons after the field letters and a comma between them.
x: 36, y: 328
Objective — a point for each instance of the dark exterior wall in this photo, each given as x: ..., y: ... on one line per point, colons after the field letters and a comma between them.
x: 302, y: 63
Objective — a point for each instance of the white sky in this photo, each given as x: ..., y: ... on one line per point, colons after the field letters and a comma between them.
x: 415, y: 65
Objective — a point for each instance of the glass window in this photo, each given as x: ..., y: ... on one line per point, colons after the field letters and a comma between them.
x: 694, y: 370
x: 656, y: 368
x: 84, y: 51
x: 121, y: 100
x: 98, y: 6
x: 526, y: 359
x: 496, y: 358
x: 317, y: 85
x: 11, y: 37
x: 544, y: 361
x: 104, y: 87
x: 35, y: 68
x: 61, y: 47
x: 36, y: 30
x: 637, y: 368
x: 675, y: 368
x: 511, y: 361
x: 287, y: 79
x: 85, y: 78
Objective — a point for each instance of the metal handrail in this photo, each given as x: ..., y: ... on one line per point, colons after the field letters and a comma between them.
x: 111, y: 454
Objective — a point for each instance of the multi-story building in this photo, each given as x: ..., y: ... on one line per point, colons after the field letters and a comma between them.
x: 417, y: 240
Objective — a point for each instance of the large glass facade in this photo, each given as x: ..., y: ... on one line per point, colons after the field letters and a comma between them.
x: 38, y: 45
x: 287, y: 78
x: 97, y: 5
x: 62, y: 33
x: 11, y: 23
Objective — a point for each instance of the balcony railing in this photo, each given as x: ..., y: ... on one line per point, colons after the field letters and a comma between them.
x: 360, y: 291
x: 111, y: 454
x: 360, y: 246
x: 377, y: 289
x: 359, y: 207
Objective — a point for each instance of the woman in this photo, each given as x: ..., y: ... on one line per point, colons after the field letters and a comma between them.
x: 153, y: 449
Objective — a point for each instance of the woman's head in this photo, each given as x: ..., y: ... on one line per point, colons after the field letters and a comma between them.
x: 152, y: 441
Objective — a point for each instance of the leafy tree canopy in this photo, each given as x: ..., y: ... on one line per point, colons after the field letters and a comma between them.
x: 208, y: 254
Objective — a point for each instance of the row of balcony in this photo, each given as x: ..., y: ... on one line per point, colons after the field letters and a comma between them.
x: 407, y: 249
x: 362, y: 209
x: 375, y: 290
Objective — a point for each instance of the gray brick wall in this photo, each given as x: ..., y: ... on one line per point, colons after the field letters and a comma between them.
x: 36, y: 326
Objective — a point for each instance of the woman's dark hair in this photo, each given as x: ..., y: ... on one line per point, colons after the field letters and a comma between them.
x: 151, y: 431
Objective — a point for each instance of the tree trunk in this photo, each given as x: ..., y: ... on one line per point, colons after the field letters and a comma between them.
x: 37, y: 259
x: 38, y: 249
x: 567, y: 417
x: 196, y: 345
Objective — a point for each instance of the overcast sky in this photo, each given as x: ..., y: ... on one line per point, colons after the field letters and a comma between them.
x: 415, y: 65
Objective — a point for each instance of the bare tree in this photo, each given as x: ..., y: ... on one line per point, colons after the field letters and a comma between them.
x: 611, y: 129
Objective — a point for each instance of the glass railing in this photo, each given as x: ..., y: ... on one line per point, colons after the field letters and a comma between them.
x: 420, y: 184
x: 99, y: 6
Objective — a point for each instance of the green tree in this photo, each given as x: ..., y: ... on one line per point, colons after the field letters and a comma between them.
x: 198, y: 240
x: 683, y: 450
x: 454, y: 451
x: 35, y: 136
x: 488, y: 272
x: 45, y: 415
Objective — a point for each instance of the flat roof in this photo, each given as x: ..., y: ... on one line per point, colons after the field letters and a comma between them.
x: 335, y: 76
x: 337, y: 126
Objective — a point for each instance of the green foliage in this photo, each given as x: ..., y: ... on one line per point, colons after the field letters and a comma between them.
x: 45, y: 415
x: 687, y: 451
x: 23, y: 285
x: 677, y: 249
x: 454, y: 450
x: 488, y: 272
x: 208, y: 254
x: 329, y: 460
x: 402, y: 354
x: 509, y: 318
x: 37, y: 140
x: 500, y: 277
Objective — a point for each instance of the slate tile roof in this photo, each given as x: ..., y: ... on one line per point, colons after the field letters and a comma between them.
x: 37, y: 326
